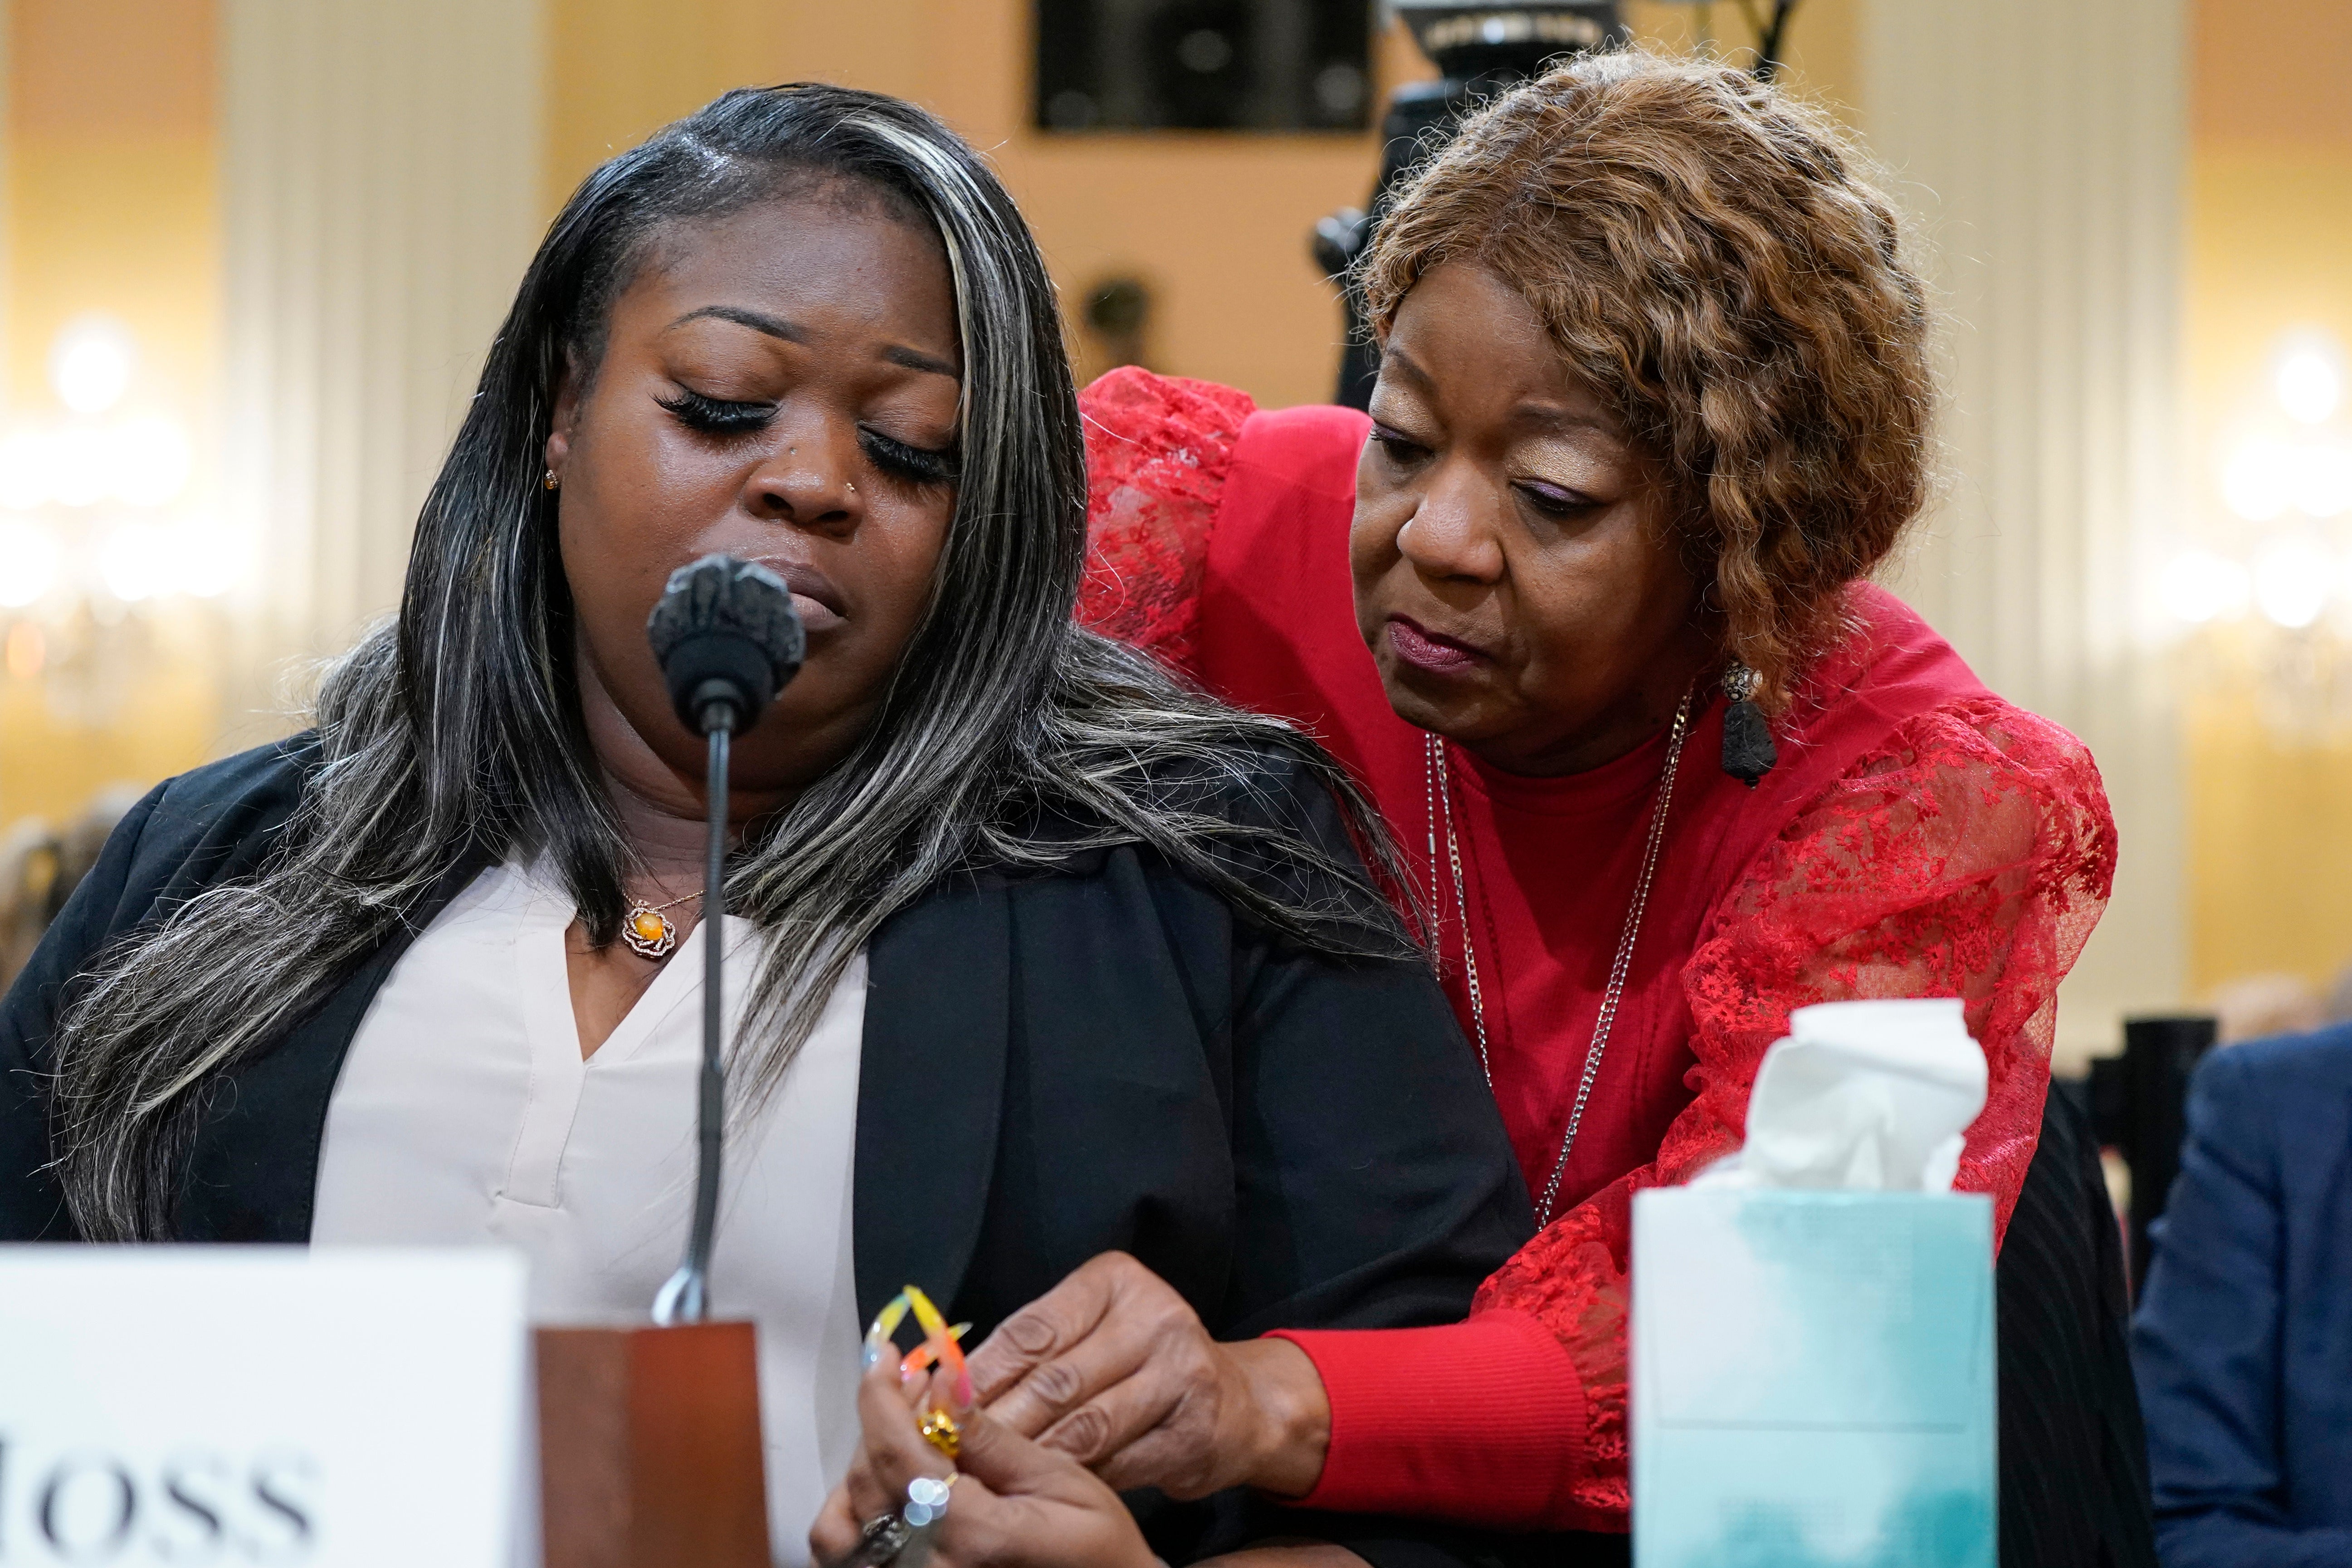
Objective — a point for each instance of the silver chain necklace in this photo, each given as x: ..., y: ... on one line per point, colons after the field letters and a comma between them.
x: 1441, y: 809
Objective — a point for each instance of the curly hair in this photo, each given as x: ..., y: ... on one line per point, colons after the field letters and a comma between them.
x: 1713, y: 263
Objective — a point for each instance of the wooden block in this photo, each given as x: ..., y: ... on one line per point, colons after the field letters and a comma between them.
x: 649, y: 1447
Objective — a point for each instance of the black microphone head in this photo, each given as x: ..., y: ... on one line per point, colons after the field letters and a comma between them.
x: 726, y: 637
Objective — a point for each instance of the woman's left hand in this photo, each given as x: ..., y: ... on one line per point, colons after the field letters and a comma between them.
x: 1112, y: 1366
x: 1013, y: 1504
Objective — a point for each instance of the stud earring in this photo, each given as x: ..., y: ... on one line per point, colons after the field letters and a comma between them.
x: 1748, y: 752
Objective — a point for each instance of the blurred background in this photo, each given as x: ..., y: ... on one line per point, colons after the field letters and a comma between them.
x: 251, y: 252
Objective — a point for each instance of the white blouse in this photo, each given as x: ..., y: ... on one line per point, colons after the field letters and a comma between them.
x: 464, y: 1115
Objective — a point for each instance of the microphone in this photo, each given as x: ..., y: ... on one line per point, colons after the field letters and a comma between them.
x: 726, y: 637
x: 728, y: 640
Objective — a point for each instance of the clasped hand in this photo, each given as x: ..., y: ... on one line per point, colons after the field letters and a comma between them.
x: 1107, y: 1380
x: 1113, y: 1368
x: 1012, y: 1502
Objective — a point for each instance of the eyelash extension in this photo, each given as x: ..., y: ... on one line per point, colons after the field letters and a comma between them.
x: 717, y: 417
x: 921, y: 464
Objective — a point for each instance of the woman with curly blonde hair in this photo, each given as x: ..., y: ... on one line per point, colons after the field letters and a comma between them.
x: 1584, y: 604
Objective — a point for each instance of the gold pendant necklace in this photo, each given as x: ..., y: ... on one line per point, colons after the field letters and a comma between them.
x: 647, y: 931
x: 1441, y: 801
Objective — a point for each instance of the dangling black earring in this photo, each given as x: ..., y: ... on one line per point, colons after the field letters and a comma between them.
x: 1747, y: 750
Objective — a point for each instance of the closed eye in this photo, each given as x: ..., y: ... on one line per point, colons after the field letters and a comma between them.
x: 716, y: 415
x: 917, y: 465
x: 1553, y: 501
x: 1397, y: 447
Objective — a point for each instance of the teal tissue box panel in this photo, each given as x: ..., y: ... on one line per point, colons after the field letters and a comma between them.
x: 1812, y: 1380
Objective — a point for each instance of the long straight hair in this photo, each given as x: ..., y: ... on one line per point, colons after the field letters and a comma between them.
x: 455, y: 736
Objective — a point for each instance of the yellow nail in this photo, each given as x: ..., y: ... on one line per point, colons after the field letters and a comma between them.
x: 929, y: 1318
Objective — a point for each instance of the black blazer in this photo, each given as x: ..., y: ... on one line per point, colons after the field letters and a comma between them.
x: 1287, y: 1139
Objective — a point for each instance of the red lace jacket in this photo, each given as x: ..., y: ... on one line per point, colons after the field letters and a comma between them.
x: 1919, y: 836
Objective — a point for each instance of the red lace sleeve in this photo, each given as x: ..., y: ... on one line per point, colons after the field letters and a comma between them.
x: 1158, y: 451
x: 1969, y: 856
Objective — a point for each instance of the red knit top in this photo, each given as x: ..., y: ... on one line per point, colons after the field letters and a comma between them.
x: 1919, y: 838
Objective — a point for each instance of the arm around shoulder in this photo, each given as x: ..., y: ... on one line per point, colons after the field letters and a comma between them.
x: 1157, y: 451
x: 1967, y: 855
x: 1378, y: 1186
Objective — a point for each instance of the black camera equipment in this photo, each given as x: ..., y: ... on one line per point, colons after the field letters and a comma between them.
x: 2138, y: 1104
x: 1479, y: 51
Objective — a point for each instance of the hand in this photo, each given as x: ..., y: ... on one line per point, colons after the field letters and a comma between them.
x: 1113, y: 1368
x: 1015, y: 1504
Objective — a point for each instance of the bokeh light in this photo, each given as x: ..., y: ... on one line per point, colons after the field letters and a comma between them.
x: 2292, y: 579
x: 2201, y: 587
x: 2258, y: 482
x: 152, y: 460
x: 135, y: 562
x: 2310, y: 382
x: 91, y: 363
x: 29, y: 563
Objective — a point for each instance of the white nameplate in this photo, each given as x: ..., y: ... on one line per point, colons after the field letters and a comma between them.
x: 231, y: 1406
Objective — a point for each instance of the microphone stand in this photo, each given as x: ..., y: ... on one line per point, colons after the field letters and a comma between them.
x: 649, y: 1437
x: 686, y: 1299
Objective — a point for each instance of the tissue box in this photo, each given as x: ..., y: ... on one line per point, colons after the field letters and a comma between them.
x: 1813, y: 1379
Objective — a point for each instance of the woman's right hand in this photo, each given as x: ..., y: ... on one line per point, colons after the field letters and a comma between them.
x: 1112, y: 1367
x: 1013, y: 1504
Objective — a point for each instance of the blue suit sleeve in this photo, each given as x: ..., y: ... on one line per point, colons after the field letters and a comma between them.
x: 2207, y: 1342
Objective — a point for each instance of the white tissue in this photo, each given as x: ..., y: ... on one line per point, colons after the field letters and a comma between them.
x: 1869, y: 1095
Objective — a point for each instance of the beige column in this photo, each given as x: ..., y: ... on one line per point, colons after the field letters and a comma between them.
x: 2044, y: 145
x: 381, y: 198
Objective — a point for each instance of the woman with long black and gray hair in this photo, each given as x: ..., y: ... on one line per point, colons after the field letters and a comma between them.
x: 1052, y: 957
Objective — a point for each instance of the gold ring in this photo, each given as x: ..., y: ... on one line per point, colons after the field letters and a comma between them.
x: 939, y: 1430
